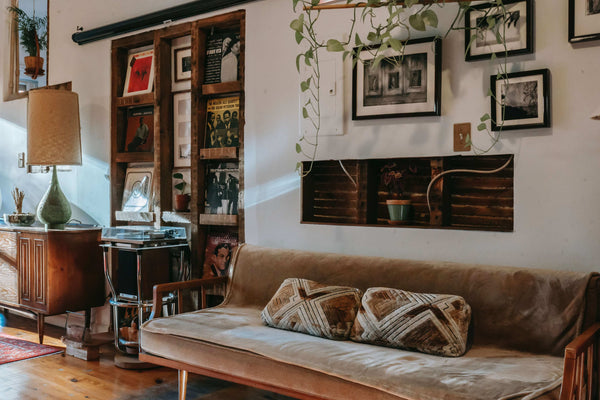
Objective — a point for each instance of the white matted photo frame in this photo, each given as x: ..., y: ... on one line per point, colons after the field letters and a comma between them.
x: 486, y: 23
x: 584, y: 20
x: 183, y: 63
x: 137, y: 194
x: 526, y: 98
x: 402, y: 85
x: 140, y: 73
x: 182, y: 129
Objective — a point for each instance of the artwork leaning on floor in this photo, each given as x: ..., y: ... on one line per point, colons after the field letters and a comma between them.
x: 401, y: 85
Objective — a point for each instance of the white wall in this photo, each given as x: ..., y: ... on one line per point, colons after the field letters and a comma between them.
x: 556, y: 183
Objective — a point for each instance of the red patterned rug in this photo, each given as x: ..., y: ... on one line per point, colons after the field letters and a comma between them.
x: 15, y: 349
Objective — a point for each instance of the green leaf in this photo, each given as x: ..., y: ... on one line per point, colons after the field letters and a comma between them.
x: 304, y: 112
x: 493, y: 57
x: 298, y: 62
x: 373, y: 37
x: 481, y: 127
x: 499, y: 37
x: 298, y: 166
x: 345, y: 54
x: 471, y: 40
x: 395, y: 44
x: 298, y: 148
x: 295, y: 3
x: 357, y: 40
x: 430, y: 18
x: 485, y: 117
x: 491, y: 22
x: 180, y: 186
x: 334, y: 45
x: 178, y: 175
x: 489, y: 92
x: 377, y: 60
x: 304, y: 86
x: 315, y: 2
x: 297, y: 24
x: 416, y: 21
x: 299, y: 37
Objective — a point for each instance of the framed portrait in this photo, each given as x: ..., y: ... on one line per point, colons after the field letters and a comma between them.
x: 526, y: 99
x: 401, y: 85
x: 182, y: 129
x: 183, y: 64
x: 584, y: 20
x: 140, y: 73
x: 139, y: 136
x: 137, y: 194
x: 485, y: 22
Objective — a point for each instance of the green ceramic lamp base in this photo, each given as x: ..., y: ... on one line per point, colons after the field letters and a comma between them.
x: 54, y: 209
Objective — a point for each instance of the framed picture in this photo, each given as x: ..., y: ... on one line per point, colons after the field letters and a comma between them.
x: 584, y: 20
x: 183, y: 64
x: 140, y: 129
x: 222, y: 122
x: 526, y: 98
x: 140, y: 73
x: 485, y: 21
x: 401, y: 85
x: 182, y: 129
x: 219, y: 250
x: 137, y: 195
x: 222, y: 188
x: 222, y: 57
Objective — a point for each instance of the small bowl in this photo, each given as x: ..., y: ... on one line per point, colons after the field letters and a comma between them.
x: 24, y: 219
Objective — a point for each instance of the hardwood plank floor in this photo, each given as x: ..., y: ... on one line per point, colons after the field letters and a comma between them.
x: 65, y: 377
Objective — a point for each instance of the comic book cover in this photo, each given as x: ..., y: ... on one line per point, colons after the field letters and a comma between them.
x: 220, y: 245
x: 222, y: 122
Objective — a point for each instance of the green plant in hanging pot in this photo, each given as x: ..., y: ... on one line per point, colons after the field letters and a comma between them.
x: 33, y: 36
x: 399, y: 203
x: 182, y: 199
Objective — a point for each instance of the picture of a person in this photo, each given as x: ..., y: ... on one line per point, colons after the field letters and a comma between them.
x: 221, y: 258
x: 141, y: 136
x: 229, y: 62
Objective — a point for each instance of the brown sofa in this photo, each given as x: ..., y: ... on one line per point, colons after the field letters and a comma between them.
x: 522, y: 321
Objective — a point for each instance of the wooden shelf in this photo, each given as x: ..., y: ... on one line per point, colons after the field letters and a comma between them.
x: 219, y: 153
x: 134, y: 216
x: 177, y: 217
x: 134, y: 157
x: 222, y: 88
x: 135, y: 100
x: 218, y: 219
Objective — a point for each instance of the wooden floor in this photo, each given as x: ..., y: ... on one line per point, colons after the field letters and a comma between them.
x: 65, y: 377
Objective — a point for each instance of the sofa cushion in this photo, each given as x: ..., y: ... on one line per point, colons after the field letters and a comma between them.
x: 483, y: 373
x: 430, y: 323
x: 305, y: 306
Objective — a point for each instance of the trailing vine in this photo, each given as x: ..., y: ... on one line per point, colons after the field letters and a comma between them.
x: 388, y: 31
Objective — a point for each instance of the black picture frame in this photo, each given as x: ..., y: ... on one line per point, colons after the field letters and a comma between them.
x: 527, y: 100
x: 183, y: 64
x: 584, y: 20
x: 519, y: 31
x: 410, y: 88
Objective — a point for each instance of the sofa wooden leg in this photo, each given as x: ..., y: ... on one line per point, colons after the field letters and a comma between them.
x: 182, y: 375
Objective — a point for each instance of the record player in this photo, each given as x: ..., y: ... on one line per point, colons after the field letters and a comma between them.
x: 138, y: 235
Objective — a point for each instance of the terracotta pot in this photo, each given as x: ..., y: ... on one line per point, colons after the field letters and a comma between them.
x: 182, y: 202
x: 400, y: 211
x: 30, y: 66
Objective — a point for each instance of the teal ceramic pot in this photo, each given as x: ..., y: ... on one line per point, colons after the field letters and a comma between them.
x: 401, y: 211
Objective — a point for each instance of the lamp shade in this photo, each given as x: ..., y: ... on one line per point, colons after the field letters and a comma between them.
x: 53, y: 131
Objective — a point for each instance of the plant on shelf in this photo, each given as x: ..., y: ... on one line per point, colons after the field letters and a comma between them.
x: 388, y: 29
x: 399, y: 204
x: 33, y: 37
x: 182, y: 199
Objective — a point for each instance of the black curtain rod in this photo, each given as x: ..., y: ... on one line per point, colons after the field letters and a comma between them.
x: 156, y: 18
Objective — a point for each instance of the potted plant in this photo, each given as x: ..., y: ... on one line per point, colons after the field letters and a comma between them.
x: 399, y: 205
x: 182, y: 199
x: 18, y: 217
x: 33, y: 37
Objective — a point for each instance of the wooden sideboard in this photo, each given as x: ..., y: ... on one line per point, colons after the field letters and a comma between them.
x: 50, y: 272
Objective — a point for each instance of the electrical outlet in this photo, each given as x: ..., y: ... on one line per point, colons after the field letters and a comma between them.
x: 462, y: 137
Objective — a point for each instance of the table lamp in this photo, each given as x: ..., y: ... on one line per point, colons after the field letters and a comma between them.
x: 53, y: 138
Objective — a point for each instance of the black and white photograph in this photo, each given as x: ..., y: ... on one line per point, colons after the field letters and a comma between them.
x: 520, y: 100
x: 484, y: 23
x: 182, y: 129
x: 183, y: 64
x: 222, y: 188
x: 584, y: 20
x: 222, y: 53
x: 222, y: 122
x: 401, y: 85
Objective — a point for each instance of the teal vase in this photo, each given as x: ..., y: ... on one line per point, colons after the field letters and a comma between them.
x: 54, y: 209
x: 401, y: 211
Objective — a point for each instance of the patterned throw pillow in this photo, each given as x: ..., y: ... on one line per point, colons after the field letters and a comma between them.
x: 430, y: 323
x: 309, y: 307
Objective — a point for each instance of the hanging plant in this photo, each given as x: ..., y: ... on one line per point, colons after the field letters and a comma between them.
x: 32, y: 31
x: 389, y: 25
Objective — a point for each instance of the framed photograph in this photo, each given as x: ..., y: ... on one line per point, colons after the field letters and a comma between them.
x: 402, y: 85
x: 222, y: 57
x: 183, y: 64
x: 584, y: 20
x: 222, y: 122
x: 182, y: 129
x: 137, y: 195
x: 140, y: 129
x: 526, y: 98
x: 485, y: 21
x: 140, y: 73
x: 222, y: 188
x: 219, y: 250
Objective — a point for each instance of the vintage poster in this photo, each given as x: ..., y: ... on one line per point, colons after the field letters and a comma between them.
x: 140, y: 129
x: 222, y: 122
x: 222, y: 53
x: 140, y: 73
x: 222, y: 188
x: 219, y: 250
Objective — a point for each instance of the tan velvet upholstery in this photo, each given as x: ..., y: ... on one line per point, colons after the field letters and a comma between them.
x: 515, y: 313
